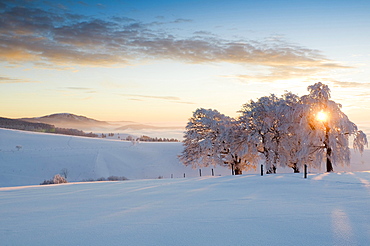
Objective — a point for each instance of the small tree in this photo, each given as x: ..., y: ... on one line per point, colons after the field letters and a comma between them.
x: 57, y: 179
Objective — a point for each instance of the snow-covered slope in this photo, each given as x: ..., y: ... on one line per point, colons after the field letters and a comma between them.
x: 283, y: 209
x: 40, y: 156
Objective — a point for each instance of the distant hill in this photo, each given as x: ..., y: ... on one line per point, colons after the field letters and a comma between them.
x: 23, y: 125
x: 83, y: 123
x: 67, y: 120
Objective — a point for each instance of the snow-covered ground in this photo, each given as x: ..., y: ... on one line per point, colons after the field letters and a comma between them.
x: 40, y: 156
x: 280, y: 209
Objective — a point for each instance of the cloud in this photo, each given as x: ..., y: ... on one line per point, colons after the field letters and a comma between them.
x: 83, y: 3
x: 152, y: 97
x: 100, y: 5
x: 89, y: 90
x: 200, y: 33
x: 182, y: 20
x: 80, y: 89
x: 350, y: 84
x: 286, y: 72
x: 34, y: 34
x: 8, y: 80
x: 191, y: 103
x: 136, y: 97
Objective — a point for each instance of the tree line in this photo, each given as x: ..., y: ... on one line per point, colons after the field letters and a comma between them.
x: 286, y: 131
x: 144, y: 138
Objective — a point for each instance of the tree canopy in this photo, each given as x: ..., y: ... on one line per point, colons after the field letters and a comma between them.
x: 286, y: 131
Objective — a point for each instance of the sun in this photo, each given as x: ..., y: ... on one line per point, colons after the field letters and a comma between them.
x: 322, y: 116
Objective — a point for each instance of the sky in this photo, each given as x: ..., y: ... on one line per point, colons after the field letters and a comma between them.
x: 158, y: 61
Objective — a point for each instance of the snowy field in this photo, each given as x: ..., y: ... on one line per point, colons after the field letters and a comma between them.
x: 325, y: 209
x: 41, y: 156
x: 280, y: 209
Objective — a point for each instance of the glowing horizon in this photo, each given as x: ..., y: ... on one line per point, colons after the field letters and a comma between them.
x: 158, y: 62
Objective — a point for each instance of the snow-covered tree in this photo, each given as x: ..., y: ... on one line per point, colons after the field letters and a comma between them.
x: 212, y: 138
x: 239, y: 147
x: 287, y: 131
x: 291, y: 145
x: 265, y: 121
x: 327, y: 129
x: 59, y: 179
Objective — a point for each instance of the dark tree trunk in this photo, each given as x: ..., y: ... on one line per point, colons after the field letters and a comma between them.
x: 295, y: 168
x: 236, y: 165
x: 329, y: 165
x: 271, y: 170
x: 238, y: 171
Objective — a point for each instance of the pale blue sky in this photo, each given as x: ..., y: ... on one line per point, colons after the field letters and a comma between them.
x: 158, y: 61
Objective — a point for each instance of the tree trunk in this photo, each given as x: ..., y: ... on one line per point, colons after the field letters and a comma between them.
x: 329, y: 165
x: 238, y: 171
x: 271, y: 170
x: 295, y: 168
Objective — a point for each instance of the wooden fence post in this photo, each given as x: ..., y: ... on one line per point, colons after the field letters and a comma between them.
x: 305, y: 171
x: 261, y: 170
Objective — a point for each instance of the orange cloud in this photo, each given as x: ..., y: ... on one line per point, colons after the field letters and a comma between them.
x: 8, y: 80
x: 42, y: 36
